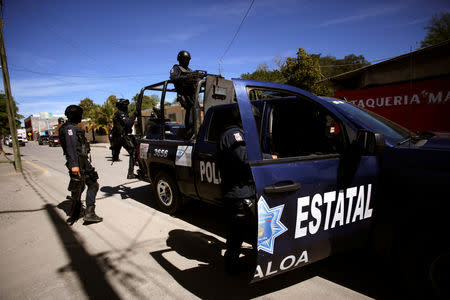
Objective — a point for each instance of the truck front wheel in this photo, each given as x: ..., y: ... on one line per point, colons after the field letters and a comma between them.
x: 167, y: 193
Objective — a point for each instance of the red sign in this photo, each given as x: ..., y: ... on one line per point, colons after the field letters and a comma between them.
x: 418, y: 106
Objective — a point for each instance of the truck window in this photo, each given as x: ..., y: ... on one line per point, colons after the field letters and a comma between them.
x: 299, y: 127
x: 220, y: 119
x: 258, y: 93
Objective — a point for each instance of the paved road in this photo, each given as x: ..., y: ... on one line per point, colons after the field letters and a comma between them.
x: 138, y: 252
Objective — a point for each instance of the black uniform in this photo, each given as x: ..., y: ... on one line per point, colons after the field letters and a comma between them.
x: 185, y: 84
x: 76, y: 149
x: 121, y: 136
x: 238, y: 192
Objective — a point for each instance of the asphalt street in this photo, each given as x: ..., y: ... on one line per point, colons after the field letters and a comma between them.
x: 137, y: 252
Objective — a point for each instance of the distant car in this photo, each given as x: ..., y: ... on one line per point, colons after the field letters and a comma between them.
x: 171, y: 130
x: 21, y: 141
x: 43, y: 139
x: 53, y: 141
x: 7, y: 140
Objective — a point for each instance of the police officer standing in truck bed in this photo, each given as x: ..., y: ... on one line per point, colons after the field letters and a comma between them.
x: 185, y: 81
x: 76, y: 149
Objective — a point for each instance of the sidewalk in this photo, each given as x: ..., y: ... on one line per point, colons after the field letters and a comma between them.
x: 6, y: 157
x: 101, y: 145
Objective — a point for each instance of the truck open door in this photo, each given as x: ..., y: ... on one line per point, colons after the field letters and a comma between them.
x: 318, y: 196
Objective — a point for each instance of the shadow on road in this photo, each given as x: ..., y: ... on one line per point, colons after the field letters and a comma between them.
x: 358, y: 271
x: 208, y: 217
x: 91, y: 270
x: 87, y: 267
x: 208, y: 279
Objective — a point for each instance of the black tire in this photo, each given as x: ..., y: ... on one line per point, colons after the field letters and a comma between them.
x: 166, y: 193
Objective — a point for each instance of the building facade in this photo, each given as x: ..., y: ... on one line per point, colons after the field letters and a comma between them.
x: 35, y: 126
x: 412, y: 90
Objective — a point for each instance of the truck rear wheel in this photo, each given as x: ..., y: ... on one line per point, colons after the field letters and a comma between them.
x: 167, y: 193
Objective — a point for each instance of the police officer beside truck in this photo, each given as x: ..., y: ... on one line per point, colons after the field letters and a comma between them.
x: 121, y: 135
x: 76, y: 149
x: 238, y: 189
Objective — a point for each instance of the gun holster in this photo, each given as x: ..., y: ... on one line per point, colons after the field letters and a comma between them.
x: 75, y: 184
x: 128, y: 142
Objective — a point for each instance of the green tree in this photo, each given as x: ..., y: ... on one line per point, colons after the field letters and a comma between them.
x: 4, y: 124
x: 148, y: 102
x: 87, y: 105
x: 331, y: 66
x: 264, y: 73
x: 438, y: 30
x: 108, y: 109
x: 304, y: 72
x: 101, y: 115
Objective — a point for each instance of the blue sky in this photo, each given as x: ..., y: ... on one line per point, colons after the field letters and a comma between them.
x: 60, y: 52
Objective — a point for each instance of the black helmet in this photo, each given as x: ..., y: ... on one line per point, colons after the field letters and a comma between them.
x: 183, y: 58
x: 122, y: 104
x: 74, y: 113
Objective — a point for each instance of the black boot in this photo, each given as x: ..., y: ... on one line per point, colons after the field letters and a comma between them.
x: 90, y: 215
x: 75, y: 211
x: 131, y: 175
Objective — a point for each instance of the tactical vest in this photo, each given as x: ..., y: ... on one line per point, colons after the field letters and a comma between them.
x: 83, y: 147
x: 62, y: 137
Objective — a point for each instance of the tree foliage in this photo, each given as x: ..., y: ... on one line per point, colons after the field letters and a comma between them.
x: 438, y: 30
x: 264, y: 73
x: 100, y: 115
x: 304, y: 72
x: 4, y: 123
x: 331, y: 66
x: 148, y: 102
x: 88, y: 106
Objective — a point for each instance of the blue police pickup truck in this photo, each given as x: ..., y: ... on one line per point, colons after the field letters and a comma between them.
x: 344, y: 177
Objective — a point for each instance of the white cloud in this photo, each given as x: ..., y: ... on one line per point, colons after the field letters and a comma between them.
x: 183, y: 35
x: 221, y: 9
x: 239, y: 8
x: 239, y: 60
x: 368, y: 13
x: 52, y: 87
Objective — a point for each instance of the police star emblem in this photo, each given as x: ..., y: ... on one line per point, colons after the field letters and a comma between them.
x: 269, y: 225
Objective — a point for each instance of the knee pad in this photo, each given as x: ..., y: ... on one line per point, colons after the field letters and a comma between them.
x: 95, y: 186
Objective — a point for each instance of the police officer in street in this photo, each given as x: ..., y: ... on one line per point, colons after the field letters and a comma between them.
x: 121, y: 135
x: 76, y: 149
x: 60, y: 123
x: 185, y: 81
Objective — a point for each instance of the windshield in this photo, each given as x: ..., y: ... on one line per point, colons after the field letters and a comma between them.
x: 393, y: 132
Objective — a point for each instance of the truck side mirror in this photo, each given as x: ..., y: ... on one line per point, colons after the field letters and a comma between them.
x: 370, y: 143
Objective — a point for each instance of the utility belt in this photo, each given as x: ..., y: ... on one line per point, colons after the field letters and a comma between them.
x: 128, y: 141
x: 76, y: 183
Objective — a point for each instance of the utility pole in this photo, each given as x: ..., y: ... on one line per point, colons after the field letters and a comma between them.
x: 9, y: 102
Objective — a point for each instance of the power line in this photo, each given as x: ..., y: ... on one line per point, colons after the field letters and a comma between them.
x: 235, y: 35
x: 353, y: 64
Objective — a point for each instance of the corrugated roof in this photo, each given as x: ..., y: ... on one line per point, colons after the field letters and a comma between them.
x: 397, y: 58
